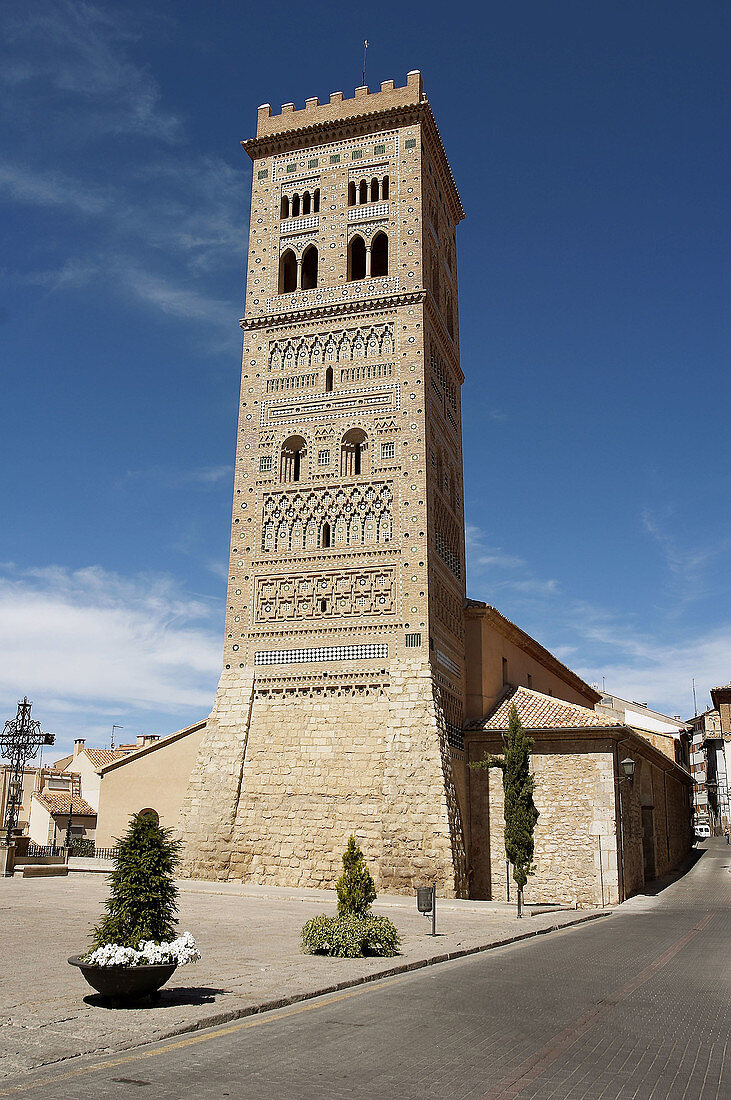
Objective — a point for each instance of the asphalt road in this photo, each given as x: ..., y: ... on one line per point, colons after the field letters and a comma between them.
x: 634, y: 1005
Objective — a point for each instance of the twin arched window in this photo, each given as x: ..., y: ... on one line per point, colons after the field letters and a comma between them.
x: 353, y: 456
x: 298, y: 273
x: 374, y: 190
x: 367, y: 261
x: 295, y: 205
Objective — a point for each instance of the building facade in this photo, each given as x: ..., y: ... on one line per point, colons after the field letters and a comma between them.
x: 343, y: 688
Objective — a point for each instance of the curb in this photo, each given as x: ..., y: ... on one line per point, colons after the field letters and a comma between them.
x: 404, y: 968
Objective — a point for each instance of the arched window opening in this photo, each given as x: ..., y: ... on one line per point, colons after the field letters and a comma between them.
x: 351, y: 193
x: 309, y: 268
x: 152, y: 814
x: 374, y: 190
x: 306, y: 203
x: 363, y: 192
x: 353, y: 450
x: 379, y: 255
x: 292, y: 465
x: 356, y: 259
x: 316, y: 201
x: 384, y: 188
x: 325, y: 544
x: 285, y: 207
x: 287, y: 272
x: 295, y: 206
x: 328, y: 380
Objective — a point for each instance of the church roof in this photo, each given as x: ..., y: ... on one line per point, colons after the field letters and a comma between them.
x: 538, y: 711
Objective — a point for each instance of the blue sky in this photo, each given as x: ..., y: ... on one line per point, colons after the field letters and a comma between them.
x: 589, y: 145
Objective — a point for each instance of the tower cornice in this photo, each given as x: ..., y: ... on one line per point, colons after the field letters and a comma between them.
x: 338, y: 309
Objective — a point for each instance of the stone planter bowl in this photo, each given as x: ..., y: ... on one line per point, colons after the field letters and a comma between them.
x: 125, y: 983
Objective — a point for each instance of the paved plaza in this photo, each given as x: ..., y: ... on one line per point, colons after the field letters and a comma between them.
x: 633, y: 1005
x: 249, y: 940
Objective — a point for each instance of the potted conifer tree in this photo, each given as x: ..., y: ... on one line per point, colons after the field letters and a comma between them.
x: 134, y: 948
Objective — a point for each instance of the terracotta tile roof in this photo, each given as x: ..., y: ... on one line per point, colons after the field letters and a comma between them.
x: 538, y: 711
x: 59, y: 802
x: 101, y: 757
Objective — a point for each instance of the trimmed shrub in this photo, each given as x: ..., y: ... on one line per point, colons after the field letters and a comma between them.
x: 350, y: 936
x: 142, y: 904
x: 355, y: 887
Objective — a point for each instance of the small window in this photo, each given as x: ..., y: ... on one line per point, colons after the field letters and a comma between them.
x: 265, y: 464
x: 325, y: 539
x: 323, y: 458
x: 410, y: 143
x: 351, y: 194
x: 328, y: 380
x: 323, y: 605
x: 291, y: 167
x: 505, y: 671
x: 356, y: 259
x: 312, y: 163
x: 357, y: 154
x: 379, y: 150
x: 262, y: 174
x: 379, y: 255
x: 413, y: 640
x: 530, y: 680
x: 388, y: 450
x: 152, y: 814
x: 309, y: 268
x: 335, y: 158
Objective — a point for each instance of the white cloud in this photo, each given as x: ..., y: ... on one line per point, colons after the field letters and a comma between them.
x: 89, y: 643
x: 76, y: 53
x: 36, y: 188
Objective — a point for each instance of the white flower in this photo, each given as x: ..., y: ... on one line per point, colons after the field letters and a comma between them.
x: 181, y: 951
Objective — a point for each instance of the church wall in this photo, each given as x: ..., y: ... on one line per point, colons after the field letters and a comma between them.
x: 486, y: 646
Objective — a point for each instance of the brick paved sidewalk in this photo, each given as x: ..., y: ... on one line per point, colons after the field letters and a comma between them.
x: 249, y: 939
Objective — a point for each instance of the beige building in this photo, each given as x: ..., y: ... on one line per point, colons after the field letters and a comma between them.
x: 358, y: 682
x: 58, y: 808
x: 153, y: 778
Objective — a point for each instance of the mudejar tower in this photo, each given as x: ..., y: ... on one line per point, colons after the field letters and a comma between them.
x: 340, y: 705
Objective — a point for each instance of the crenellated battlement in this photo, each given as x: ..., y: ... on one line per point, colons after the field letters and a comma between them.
x: 363, y: 102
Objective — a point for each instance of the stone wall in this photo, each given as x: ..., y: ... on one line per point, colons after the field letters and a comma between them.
x: 575, y: 847
x: 275, y: 793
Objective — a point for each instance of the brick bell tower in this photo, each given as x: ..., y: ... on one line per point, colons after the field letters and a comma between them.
x: 340, y: 705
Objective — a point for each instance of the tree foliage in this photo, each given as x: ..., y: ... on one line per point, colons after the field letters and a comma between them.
x: 142, y: 903
x: 355, y: 887
x: 519, y: 811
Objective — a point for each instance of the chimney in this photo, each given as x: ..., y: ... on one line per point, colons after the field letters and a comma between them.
x: 147, y: 739
x: 79, y: 745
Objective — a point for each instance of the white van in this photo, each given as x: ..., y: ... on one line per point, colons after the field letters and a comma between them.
x: 702, y: 831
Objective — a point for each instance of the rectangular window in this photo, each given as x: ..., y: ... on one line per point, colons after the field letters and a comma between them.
x: 530, y: 680
x: 505, y: 671
x: 323, y: 458
x: 379, y: 150
x: 312, y: 163
x: 262, y: 175
x: 265, y: 463
x: 335, y: 158
x: 413, y: 640
x: 410, y: 143
x: 388, y: 450
x: 357, y: 154
x: 291, y: 167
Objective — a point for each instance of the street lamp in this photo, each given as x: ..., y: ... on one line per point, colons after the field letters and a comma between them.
x: 20, y: 741
x: 628, y: 767
x: 68, y: 825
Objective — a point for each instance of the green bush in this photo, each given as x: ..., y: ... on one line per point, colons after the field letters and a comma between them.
x: 142, y: 904
x: 350, y: 936
x: 82, y: 847
x: 355, y: 887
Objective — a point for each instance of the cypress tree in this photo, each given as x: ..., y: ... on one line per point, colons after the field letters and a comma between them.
x: 142, y: 903
x: 519, y: 811
x: 355, y: 887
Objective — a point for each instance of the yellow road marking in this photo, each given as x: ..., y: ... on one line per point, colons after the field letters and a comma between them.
x: 206, y: 1037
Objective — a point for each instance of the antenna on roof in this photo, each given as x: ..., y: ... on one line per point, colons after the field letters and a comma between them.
x: 695, y: 704
x: 365, y: 51
x: 115, y: 727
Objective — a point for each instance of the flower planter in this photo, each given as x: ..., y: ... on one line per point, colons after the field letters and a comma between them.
x: 124, y: 983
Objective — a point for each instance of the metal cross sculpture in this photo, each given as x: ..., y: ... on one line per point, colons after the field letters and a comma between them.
x: 19, y: 742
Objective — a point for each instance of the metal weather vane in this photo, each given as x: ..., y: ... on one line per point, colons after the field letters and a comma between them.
x: 20, y: 741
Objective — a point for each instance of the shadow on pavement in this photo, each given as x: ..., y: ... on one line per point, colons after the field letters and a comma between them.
x: 652, y: 889
x: 165, y: 998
